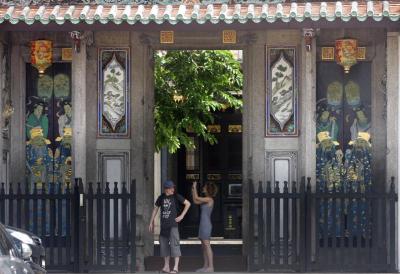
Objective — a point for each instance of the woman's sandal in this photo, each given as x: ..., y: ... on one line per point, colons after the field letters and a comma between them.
x: 174, y: 271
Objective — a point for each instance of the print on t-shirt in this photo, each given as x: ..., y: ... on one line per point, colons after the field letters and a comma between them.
x: 166, y: 211
x: 169, y: 209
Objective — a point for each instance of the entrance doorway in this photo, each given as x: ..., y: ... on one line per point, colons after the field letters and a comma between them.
x: 220, y: 163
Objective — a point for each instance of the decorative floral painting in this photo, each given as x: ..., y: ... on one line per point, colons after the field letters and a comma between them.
x: 113, y: 114
x: 281, y: 115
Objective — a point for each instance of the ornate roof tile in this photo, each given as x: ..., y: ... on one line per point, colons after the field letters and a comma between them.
x: 200, y: 13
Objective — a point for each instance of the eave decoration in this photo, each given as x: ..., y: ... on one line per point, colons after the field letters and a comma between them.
x: 41, y: 55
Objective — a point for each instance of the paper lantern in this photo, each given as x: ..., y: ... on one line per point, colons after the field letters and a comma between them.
x: 346, y: 53
x: 41, y: 54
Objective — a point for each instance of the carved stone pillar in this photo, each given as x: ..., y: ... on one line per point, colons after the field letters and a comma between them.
x: 393, y: 121
x: 17, y: 128
x: 308, y: 104
x: 142, y: 139
x: 393, y: 116
x: 79, y: 110
x: 2, y: 84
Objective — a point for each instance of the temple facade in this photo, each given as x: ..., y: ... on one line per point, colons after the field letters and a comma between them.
x: 320, y: 97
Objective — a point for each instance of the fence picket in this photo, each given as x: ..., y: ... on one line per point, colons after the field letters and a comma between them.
x: 68, y: 244
x: 276, y: 249
x: 124, y: 225
x: 89, y: 199
x: 293, y: 222
x: 261, y: 225
x: 252, y: 266
x: 107, y: 224
x: 285, y: 224
x: 392, y: 201
x: 11, y: 206
x: 133, y: 226
x: 52, y: 219
x: 268, y: 235
x: 99, y: 219
x: 116, y: 226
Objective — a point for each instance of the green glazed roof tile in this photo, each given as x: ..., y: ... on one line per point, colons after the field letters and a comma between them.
x: 200, y: 14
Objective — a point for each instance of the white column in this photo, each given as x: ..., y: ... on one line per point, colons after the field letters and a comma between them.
x: 79, y: 112
x: 307, y: 95
x: 393, y: 117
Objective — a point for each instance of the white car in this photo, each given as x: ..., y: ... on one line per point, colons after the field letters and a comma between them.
x: 11, y: 260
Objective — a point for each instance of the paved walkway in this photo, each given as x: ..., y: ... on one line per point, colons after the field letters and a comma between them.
x: 155, y: 272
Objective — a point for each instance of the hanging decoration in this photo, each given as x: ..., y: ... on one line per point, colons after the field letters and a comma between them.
x: 41, y: 55
x: 346, y: 53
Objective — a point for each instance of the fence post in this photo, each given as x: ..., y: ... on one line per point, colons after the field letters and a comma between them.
x: 82, y: 227
x: 251, y: 227
x: 76, y: 220
x: 303, y: 223
x: 308, y: 225
x: 392, y: 218
x: 2, y: 204
x: 133, y: 224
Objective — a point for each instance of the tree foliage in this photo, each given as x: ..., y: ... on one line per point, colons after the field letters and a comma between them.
x: 189, y: 87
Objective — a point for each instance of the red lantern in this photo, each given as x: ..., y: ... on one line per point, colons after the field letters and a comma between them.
x: 41, y: 54
x: 346, y: 53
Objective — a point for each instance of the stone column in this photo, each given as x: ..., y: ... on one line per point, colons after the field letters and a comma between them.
x: 2, y: 84
x: 392, y: 121
x: 79, y: 111
x: 393, y: 117
x: 307, y: 96
x: 17, y: 127
x: 142, y: 139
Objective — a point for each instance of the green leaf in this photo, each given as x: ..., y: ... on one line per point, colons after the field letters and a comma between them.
x: 207, y: 80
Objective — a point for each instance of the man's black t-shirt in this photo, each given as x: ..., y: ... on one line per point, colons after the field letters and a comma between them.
x: 169, y: 209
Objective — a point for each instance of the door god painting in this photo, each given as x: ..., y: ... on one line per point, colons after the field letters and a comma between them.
x: 113, y: 93
x: 48, y: 127
x: 48, y: 131
x: 281, y: 116
x: 344, y: 143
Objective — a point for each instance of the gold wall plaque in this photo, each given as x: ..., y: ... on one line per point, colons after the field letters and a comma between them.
x: 214, y: 177
x: 66, y: 54
x: 167, y: 37
x: 235, y: 176
x: 214, y: 128
x: 235, y: 128
x: 328, y: 53
x: 229, y: 36
x: 195, y: 176
x: 361, y: 53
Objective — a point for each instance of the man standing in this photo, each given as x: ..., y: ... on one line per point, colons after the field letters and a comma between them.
x: 169, y: 234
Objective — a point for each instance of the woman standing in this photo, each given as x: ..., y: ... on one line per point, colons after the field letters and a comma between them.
x: 206, y: 204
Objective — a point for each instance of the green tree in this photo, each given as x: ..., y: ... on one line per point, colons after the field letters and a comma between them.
x: 189, y: 87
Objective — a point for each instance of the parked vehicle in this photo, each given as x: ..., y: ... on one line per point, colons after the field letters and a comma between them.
x: 37, y: 260
x: 11, y: 259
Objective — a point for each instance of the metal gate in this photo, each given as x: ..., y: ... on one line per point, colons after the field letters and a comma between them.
x: 296, y: 229
x: 81, y: 230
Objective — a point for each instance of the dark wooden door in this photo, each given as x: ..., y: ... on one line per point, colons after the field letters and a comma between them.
x: 344, y: 117
x: 48, y: 125
x: 220, y: 163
